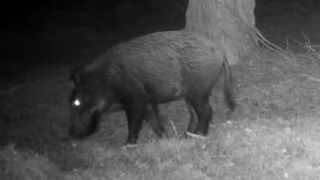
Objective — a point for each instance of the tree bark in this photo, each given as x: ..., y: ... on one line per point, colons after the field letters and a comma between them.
x: 228, y: 23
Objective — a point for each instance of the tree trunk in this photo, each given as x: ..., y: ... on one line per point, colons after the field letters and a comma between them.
x: 230, y: 24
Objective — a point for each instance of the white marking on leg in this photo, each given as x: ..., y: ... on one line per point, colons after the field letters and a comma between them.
x: 197, y: 136
x: 129, y: 146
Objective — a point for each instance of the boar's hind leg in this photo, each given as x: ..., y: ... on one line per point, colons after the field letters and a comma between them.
x: 155, y: 120
x: 201, y: 105
x: 135, y: 109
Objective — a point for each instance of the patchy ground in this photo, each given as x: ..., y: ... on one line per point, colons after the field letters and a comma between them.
x: 273, y: 134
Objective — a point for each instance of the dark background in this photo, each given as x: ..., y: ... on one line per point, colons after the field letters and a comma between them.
x: 36, y: 22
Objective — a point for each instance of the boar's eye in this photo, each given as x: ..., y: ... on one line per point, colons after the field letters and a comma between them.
x: 76, y: 102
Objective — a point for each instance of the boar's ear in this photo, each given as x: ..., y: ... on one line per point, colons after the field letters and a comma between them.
x: 76, y: 76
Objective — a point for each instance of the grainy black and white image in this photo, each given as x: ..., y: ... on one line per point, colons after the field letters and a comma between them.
x: 160, y: 89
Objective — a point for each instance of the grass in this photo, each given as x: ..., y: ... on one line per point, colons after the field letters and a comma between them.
x: 244, y: 149
x: 26, y: 165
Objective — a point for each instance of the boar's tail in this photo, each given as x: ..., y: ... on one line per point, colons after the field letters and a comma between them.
x: 228, y: 84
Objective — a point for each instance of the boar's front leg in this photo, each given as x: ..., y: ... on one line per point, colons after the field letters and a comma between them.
x: 155, y: 120
x: 135, y: 108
